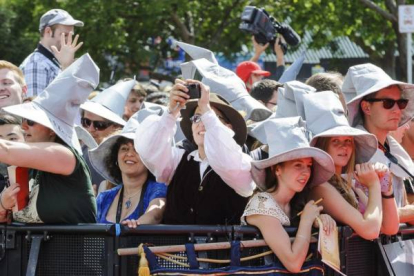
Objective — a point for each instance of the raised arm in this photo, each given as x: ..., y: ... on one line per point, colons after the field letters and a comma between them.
x: 225, y: 156
x: 48, y: 157
x: 368, y: 225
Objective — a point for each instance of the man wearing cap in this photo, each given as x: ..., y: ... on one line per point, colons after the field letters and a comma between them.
x: 54, y: 52
x: 379, y: 104
x: 250, y: 72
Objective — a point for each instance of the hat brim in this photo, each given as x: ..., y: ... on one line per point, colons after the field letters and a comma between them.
x: 98, y: 155
x: 103, y: 112
x: 234, y: 117
x: 365, y: 143
x: 261, y: 73
x: 68, y: 22
x: 34, y: 112
x: 354, y: 116
x: 322, y: 169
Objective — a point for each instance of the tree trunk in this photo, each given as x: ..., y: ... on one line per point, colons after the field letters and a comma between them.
x: 402, y: 50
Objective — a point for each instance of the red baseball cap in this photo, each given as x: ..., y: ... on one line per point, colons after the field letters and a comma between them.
x: 246, y: 68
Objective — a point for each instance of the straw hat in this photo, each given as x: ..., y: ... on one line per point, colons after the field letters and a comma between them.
x: 287, y: 140
x: 110, y: 103
x: 325, y: 117
x: 236, y: 120
x: 98, y: 155
x: 362, y: 80
x: 58, y: 105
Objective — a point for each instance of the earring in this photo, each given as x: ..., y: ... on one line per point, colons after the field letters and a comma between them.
x: 116, y: 163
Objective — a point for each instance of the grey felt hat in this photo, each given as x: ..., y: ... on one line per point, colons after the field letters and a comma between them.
x: 110, y: 103
x: 325, y: 117
x: 290, y: 99
x: 98, y: 155
x: 287, y: 140
x: 362, y: 80
x: 222, y: 81
x: 58, y: 105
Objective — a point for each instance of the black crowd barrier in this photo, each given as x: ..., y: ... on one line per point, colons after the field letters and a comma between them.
x: 91, y: 249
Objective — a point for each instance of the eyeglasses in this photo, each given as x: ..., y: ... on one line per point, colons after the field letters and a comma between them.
x: 97, y: 125
x: 197, y: 118
x: 389, y: 103
x: 29, y: 122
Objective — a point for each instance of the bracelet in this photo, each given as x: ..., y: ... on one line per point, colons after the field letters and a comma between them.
x: 1, y: 202
x: 303, y: 237
x: 387, y: 196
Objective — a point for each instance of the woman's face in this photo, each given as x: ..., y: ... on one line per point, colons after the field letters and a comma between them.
x: 35, y: 132
x: 340, y: 149
x: 199, y: 130
x: 129, y: 161
x: 295, y: 173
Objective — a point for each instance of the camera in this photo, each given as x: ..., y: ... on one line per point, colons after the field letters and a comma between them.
x: 265, y: 28
x: 194, y: 90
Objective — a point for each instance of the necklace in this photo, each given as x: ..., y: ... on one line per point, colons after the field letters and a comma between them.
x: 128, y: 202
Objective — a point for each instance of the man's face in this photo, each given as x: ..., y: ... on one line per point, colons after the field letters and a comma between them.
x: 11, y: 132
x: 379, y: 117
x: 97, y: 134
x: 11, y: 92
x: 54, y: 37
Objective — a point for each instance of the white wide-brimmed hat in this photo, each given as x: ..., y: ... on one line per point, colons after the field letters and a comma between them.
x: 287, y: 140
x: 110, y: 103
x: 362, y: 80
x: 290, y: 99
x: 98, y: 155
x: 325, y: 117
x: 58, y: 105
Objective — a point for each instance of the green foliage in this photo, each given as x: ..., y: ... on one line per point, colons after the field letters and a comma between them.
x: 124, y: 28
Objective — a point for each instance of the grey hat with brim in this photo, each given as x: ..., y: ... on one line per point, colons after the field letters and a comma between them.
x: 98, y: 155
x: 325, y: 117
x: 290, y: 98
x: 287, y: 140
x: 58, y: 16
x: 110, y: 103
x: 362, y: 80
x: 85, y: 137
x: 58, y: 105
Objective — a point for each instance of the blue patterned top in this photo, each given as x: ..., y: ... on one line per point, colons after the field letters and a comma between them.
x: 104, y: 200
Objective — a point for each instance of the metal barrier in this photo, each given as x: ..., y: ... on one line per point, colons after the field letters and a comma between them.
x: 90, y: 249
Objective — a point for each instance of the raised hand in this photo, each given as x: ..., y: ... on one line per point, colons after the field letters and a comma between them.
x: 68, y: 48
x: 366, y: 174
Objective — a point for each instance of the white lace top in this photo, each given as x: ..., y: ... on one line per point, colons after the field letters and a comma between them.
x: 264, y: 204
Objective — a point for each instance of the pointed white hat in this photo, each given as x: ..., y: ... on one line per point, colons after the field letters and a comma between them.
x: 110, y: 103
x: 325, y: 117
x: 58, y: 105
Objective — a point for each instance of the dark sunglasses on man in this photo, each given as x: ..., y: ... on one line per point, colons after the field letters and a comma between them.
x: 389, y: 103
x: 97, y: 125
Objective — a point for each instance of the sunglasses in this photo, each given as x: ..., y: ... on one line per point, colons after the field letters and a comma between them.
x: 29, y: 122
x: 97, y: 125
x: 389, y: 103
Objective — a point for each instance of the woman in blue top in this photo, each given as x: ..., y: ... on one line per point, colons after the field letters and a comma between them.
x: 138, y: 199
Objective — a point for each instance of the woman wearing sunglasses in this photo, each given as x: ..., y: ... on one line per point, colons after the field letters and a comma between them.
x: 62, y: 190
x: 137, y: 198
x: 350, y: 149
x: 209, y: 185
x: 379, y: 105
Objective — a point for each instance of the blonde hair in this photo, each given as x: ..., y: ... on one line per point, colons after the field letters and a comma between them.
x: 344, y: 186
x: 17, y: 72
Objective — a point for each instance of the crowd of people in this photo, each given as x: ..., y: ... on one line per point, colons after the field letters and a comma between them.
x: 115, y: 157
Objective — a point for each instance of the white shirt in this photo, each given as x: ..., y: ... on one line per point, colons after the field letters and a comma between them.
x: 153, y: 142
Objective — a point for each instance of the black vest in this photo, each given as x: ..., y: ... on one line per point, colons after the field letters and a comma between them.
x: 209, y: 201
